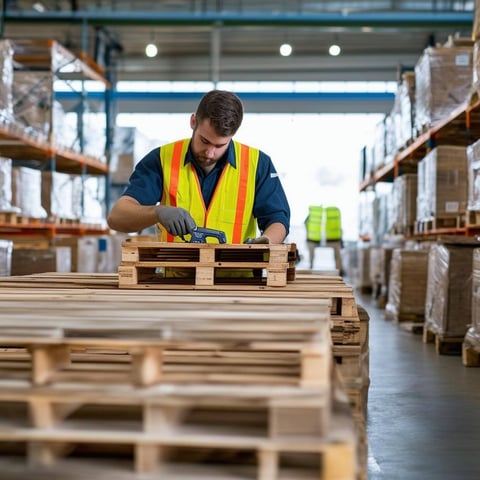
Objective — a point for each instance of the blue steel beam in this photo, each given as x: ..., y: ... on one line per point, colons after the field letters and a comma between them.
x: 422, y: 20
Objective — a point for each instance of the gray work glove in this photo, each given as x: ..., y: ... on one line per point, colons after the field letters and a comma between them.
x: 176, y: 220
x: 261, y: 239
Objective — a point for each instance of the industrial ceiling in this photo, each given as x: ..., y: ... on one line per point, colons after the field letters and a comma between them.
x: 215, y: 40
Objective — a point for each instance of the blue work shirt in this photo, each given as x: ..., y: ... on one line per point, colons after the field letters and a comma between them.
x: 270, y: 204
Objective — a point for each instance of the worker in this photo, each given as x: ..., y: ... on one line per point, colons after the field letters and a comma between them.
x: 208, y: 180
x: 324, y: 229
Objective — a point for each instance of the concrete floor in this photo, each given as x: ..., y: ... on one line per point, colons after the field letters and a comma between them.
x: 423, y: 408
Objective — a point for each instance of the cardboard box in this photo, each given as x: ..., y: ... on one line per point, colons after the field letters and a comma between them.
x: 29, y: 261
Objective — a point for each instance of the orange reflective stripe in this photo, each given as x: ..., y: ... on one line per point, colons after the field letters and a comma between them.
x: 174, y: 176
x: 242, y: 193
x: 175, y: 173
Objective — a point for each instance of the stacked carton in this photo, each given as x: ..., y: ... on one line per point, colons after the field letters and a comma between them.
x: 407, y: 285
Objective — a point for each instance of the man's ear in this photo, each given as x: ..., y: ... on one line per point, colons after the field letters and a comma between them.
x: 193, y: 121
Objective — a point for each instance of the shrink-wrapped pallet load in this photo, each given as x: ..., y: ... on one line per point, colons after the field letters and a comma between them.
x: 6, y: 72
x: 448, y: 305
x: 407, y: 285
x: 27, y: 192
x: 473, y: 165
x: 471, y: 342
x: 405, y: 203
x: 6, y: 247
x: 443, y: 81
x: 442, y: 185
x: 405, y: 120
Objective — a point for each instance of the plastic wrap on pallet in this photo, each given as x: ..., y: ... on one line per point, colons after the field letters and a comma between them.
x: 377, y: 267
x: 443, y: 81
x: 27, y: 192
x: 94, y: 191
x: 129, y: 146
x: 365, y: 214
x: 472, y: 336
x: 6, y: 186
x: 475, y: 326
x: 380, y: 144
x: 405, y: 110
x: 383, y: 218
x: 6, y: 248
x: 32, y: 102
x: 408, y: 282
x: 57, y: 195
x: 442, y: 189
x: 6, y: 69
x: 448, y: 305
x: 476, y: 68
x: 473, y: 161
x: 390, y: 139
x: 405, y: 203
x: 476, y: 21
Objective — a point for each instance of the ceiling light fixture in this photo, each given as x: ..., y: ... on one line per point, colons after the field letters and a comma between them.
x: 285, y: 50
x: 151, y: 50
x: 38, y: 7
x: 334, y: 50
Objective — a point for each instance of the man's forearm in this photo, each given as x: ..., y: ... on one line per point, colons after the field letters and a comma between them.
x: 275, y: 232
x: 127, y: 216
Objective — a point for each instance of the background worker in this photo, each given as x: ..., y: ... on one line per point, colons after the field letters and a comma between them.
x: 208, y: 180
x: 324, y: 229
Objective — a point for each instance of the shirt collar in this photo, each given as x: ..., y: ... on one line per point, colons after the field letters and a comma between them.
x: 228, y: 156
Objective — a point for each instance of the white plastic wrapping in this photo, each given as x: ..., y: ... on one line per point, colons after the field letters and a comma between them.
x: 448, y: 305
x: 6, y: 186
x: 442, y: 188
x: 27, y: 192
x: 6, y: 69
x: 443, y: 81
x: 6, y: 248
x: 405, y: 203
x: 57, y: 195
x: 473, y: 160
x: 472, y: 337
x: 408, y: 283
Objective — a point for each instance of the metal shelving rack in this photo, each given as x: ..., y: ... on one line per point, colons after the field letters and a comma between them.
x: 460, y: 127
x: 54, y: 68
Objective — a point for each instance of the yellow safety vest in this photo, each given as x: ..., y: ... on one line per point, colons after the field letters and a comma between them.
x: 324, y: 222
x: 231, y: 207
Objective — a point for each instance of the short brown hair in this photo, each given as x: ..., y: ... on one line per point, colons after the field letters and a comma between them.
x: 223, y: 109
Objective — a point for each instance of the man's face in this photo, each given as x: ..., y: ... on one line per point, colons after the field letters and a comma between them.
x: 207, y: 146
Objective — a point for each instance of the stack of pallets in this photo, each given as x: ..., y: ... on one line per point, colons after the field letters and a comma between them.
x: 204, y: 384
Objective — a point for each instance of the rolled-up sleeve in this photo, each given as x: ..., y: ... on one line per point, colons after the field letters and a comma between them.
x: 271, y: 204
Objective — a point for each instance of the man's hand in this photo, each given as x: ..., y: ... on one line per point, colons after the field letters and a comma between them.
x: 176, y: 220
x: 262, y: 239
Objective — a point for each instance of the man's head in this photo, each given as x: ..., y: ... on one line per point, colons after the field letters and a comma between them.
x: 218, y: 117
x: 223, y: 109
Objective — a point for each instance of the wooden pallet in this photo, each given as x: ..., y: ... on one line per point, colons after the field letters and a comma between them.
x: 444, y: 345
x: 175, y: 457
x: 195, y: 426
x: 437, y: 223
x: 177, y: 265
x: 190, y: 339
x: 470, y: 356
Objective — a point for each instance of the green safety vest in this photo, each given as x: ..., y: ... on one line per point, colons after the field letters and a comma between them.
x: 324, y: 222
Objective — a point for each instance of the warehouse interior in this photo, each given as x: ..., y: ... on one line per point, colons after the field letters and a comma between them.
x: 352, y: 361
